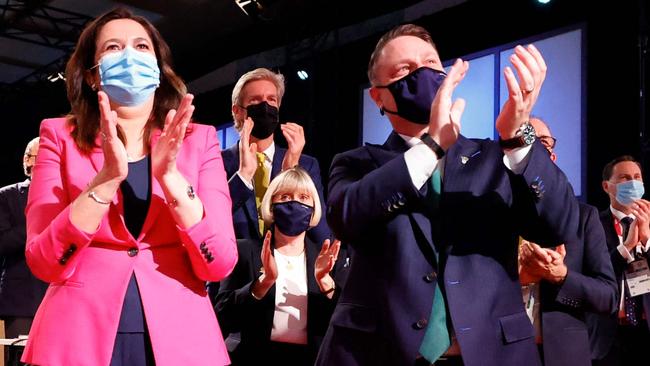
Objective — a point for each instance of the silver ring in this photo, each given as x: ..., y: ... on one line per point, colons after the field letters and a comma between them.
x: 103, y: 135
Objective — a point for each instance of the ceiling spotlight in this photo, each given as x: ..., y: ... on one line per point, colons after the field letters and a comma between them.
x: 543, y: 1
x: 257, y: 9
x: 302, y: 74
x: 55, y: 77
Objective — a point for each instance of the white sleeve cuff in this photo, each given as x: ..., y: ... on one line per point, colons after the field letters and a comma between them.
x: 421, y: 161
x: 646, y: 246
x: 249, y: 185
x: 517, y: 159
x: 625, y: 253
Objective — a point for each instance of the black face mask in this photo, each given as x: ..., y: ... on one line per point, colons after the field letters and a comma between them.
x: 292, y: 217
x: 414, y: 94
x: 265, y: 118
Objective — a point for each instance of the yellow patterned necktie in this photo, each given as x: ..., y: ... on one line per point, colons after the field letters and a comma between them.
x: 261, y: 180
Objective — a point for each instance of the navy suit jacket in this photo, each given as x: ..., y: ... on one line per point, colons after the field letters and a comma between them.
x: 373, y: 206
x: 603, y: 330
x: 238, y: 311
x: 590, y: 285
x: 244, y: 209
x: 20, y: 292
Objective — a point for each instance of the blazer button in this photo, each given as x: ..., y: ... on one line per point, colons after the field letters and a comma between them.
x: 132, y: 252
x: 421, y: 324
x: 430, y: 277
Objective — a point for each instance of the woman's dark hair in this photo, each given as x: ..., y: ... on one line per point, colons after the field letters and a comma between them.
x: 84, y: 116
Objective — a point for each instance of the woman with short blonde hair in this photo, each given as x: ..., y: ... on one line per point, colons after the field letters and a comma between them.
x: 283, y: 291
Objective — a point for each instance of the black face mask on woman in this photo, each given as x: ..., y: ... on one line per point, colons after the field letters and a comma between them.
x: 265, y: 118
x: 292, y: 217
x: 414, y: 94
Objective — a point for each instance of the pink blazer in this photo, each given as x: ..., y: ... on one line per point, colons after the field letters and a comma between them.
x: 77, y: 321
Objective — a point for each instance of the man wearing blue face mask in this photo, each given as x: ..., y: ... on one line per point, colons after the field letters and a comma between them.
x: 616, y: 340
x: 433, y: 218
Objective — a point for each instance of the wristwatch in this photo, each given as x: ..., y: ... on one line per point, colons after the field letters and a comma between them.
x: 433, y: 145
x: 525, y: 136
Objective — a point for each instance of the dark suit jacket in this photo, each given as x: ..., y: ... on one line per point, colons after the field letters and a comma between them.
x: 20, y: 291
x: 603, y: 330
x: 238, y: 311
x: 590, y: 285
x: 373, y: 206
x: 244, y: 209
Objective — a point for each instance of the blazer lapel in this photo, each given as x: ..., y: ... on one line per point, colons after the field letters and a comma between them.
x: 311, y: 253
x: 276, y: 164
x: 394, y: 146
x: 458, y: 161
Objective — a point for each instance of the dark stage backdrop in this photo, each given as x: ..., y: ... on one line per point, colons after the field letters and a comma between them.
x: 329, y: 103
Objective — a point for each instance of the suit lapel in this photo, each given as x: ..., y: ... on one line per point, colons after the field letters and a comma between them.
x: 458, y: 161
x: 276, y: 164
x: 607, y: 219
x: 394, y: 146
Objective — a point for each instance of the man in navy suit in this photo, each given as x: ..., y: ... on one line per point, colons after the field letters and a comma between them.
x: 620, y: 339
x: 20, y: 292
x: 256, y: 99
x: 567, y: 281
x: 432, y: 212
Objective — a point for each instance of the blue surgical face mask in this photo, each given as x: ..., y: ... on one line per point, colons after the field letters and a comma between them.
x: 292, y: 217
x: 414, y: 94
x: 629, y: 191
x: 129, y: 77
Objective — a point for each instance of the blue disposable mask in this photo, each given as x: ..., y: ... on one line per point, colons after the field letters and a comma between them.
x: 629, y: 191
x: 414, y: 94
x: 292, y: 217
x: 129, y: 77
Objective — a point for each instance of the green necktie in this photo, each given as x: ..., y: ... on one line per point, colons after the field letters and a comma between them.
x: 261, y: 181
x: 436, y: 338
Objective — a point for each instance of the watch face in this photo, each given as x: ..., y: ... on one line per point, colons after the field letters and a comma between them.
x: 528, y: 134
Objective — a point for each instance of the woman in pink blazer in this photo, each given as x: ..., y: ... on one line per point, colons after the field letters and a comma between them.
x: 128, y: 212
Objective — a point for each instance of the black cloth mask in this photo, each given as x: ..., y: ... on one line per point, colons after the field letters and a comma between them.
x: 265, y: 118
x: 414, y: 94
x: 292, y: 217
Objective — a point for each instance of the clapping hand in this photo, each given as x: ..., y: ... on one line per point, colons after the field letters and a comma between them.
x: 444, y: 121
x: 295, y: 136
x: 324, y: 265
x: 522, y: 94
x: 247, y: 151
x: 541, y: 263
x: 116, y: 164
x: 163, y: 155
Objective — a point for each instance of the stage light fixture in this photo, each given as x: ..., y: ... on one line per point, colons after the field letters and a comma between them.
x: 302, y: 74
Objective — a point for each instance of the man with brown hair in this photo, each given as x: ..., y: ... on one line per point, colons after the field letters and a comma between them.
x: 432, y: 218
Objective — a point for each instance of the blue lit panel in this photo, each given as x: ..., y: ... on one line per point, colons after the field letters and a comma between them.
x: 560, y: 101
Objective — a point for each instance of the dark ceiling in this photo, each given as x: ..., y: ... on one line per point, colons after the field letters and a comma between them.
x: 36, y: 36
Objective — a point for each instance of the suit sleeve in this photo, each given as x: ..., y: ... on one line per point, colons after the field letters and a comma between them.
x: 544, y: 201
x: 361, y: 198
x: 234, y: 301
x: 12, y: 229
x: 214, y: 233
x: 595, y: 288
x: 53, y: 241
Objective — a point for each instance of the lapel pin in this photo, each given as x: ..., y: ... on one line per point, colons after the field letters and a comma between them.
x: 464, y: 159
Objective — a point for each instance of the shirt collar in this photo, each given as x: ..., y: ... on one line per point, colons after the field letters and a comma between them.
x: 410, y: 140
x: 618, y: 214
